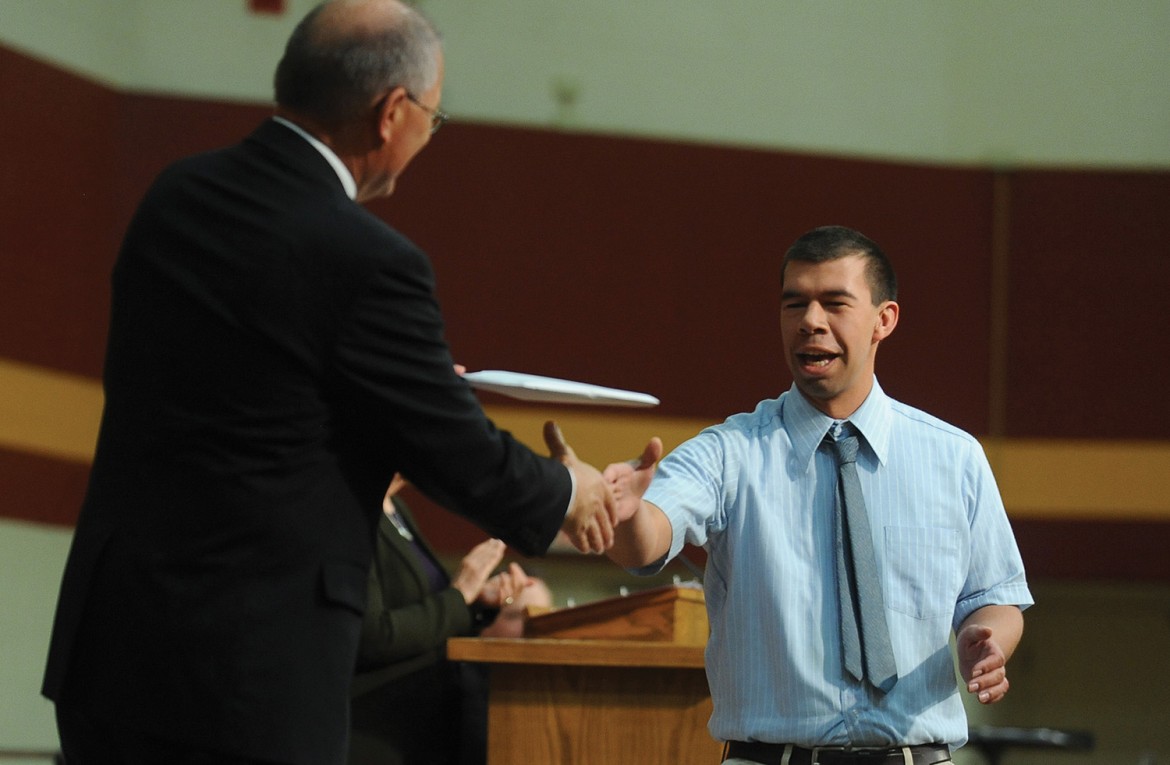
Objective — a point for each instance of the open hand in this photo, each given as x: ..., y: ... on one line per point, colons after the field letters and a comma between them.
x: 982, y: 663
x: 504, y: 588
x: 476, y: 567
x: 590, y: 521
x: 629, y: 480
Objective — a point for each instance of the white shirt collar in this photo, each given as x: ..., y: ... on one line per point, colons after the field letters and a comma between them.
x: 339, y: 167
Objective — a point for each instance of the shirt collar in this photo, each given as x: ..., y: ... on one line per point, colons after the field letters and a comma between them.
x: 874, y: 420
x: 807, y: 425
x: 334, y: 161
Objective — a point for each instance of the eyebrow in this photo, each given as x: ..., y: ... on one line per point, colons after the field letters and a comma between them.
x: 788, y: 294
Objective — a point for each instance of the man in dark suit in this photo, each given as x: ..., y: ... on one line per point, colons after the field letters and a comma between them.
x: 275, y: 354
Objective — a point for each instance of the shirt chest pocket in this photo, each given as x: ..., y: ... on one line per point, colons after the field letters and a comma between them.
x: 922, y: 576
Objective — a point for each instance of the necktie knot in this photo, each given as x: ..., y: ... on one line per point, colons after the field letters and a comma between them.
x: 846, y: 449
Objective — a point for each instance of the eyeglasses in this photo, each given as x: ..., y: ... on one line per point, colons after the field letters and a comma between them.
x: 438, y: 116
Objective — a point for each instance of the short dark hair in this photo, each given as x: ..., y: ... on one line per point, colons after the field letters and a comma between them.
x: 334, y: 76
x: 833, y: 242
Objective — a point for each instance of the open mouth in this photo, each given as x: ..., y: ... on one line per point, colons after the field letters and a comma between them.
x: 815, y: 360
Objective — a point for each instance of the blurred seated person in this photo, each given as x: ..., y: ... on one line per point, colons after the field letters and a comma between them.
x: 409, y: 705
x: 509, y: 622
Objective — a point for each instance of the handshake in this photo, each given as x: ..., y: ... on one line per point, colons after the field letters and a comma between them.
x: 602, y: 500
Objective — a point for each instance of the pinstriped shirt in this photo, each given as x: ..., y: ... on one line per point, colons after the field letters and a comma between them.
x: 757, y: 493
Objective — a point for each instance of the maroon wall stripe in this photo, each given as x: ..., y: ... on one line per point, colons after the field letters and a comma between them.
x: 1090, y: 277
x: 644, y: 264
x: 58, y: 180
x: 1094, y: 549
x: 41, y: 489
x: 655, y: 265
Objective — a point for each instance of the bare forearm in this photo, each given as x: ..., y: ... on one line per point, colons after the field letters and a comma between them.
x: 1005, y: 622
x: 641, y: 539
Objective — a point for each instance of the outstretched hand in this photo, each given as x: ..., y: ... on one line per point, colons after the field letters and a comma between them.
x: 982, y: 663
x: 590, y: 521
x: 629, y: 480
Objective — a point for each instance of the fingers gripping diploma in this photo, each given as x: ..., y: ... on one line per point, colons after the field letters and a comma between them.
x: 590, y: 521
x: 982, y: 663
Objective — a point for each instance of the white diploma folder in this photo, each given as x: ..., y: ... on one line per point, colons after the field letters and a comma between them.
x: 554, y: 390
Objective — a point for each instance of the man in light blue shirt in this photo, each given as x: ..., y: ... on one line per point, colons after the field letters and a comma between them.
x: 759, y: 494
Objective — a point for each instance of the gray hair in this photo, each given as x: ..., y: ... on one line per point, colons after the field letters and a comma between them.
x: 334, y: 72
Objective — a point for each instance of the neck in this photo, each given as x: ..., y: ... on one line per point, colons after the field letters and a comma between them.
x: 838, y: 407
x: 341, y: 140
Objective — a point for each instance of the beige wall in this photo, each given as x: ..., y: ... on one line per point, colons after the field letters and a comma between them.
x: 1000, y: 82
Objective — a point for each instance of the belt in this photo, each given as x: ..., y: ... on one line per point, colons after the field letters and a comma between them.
x: 774, y: 754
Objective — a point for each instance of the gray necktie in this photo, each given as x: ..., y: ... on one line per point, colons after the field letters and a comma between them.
x: 863, y: 611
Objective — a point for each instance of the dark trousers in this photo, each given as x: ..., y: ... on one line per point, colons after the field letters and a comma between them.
x: 86, y: 740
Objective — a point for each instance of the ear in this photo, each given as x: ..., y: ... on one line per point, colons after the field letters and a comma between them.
x: 389, y: 112
x: 887, y: 319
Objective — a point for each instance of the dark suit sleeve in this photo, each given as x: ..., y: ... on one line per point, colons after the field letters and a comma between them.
x: 393, y: 634
x: 406, y: 625
x: 397, y: 389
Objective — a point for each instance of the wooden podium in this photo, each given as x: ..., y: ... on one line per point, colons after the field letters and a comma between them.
x: 616, y: 681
